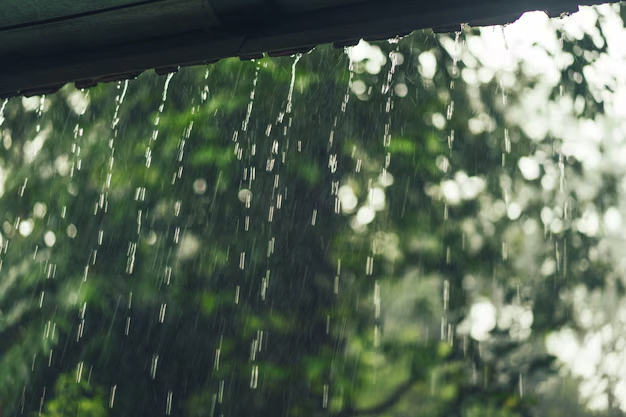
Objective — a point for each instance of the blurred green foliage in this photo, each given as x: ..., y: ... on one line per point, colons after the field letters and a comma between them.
x: 224, y: 280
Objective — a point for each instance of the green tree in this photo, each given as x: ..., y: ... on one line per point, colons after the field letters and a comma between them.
x: 294, y: 236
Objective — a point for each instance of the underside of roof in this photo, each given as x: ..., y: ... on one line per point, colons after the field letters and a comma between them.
x: 44, y: 44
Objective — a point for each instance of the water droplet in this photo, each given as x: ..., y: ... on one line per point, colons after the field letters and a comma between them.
x: 153, y: 366
x: 168, y: 405
x: 254, y: 378
x: 112, y: 397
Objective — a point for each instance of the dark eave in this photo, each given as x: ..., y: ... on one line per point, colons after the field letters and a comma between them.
x: 45, y: 45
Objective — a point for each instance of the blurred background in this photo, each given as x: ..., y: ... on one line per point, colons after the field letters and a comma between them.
x: 431, y: 225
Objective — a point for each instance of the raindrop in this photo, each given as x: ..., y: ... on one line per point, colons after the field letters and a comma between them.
x: 112, y: 397
x: 369, y: 265
x: 79, y: 372
x: 40, y: 109
x: 292, y: 83
x: 254, y: 378
x: 376, y: 300
x: 507, y: 141
x: 244, y: 124
x: 450, y: 110
x: 242, y: 260
x: 168, y: 405
x: 216, y: 362
x: 153, y: 366
x: 23, y: 188
x: 162, y: 312
x: 41, y: 402
x: 2, y: 108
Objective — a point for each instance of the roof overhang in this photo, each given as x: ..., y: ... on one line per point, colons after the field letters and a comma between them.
x: 44, y: 45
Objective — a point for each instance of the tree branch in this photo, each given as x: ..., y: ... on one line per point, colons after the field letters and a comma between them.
x: 392, y: 400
